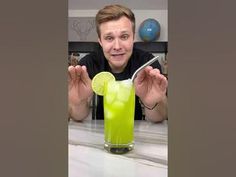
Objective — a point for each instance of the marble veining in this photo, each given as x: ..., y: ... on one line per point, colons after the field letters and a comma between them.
x: 87, y: 157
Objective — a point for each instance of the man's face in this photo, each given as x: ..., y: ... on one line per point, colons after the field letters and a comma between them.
x: 116, y: 39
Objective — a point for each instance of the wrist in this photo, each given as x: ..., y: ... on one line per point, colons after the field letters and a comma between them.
x: 148, y: 106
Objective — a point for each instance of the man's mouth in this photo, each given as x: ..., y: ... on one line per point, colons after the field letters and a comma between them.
x: 117, y: 55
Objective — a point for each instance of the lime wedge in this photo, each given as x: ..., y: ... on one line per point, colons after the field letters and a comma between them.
x: 99, y: 80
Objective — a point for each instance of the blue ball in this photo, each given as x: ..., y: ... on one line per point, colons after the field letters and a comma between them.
x: 149, y: 30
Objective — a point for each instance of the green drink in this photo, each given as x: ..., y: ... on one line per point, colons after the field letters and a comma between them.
x: 119, y: 102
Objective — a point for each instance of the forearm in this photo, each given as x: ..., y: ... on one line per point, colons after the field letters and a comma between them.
x: 158, y: 113
x: 80, y: 111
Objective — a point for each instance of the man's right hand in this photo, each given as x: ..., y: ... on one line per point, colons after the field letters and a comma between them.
x: 79, y: 86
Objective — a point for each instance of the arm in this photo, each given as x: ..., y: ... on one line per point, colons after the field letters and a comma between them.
x: 79, y: 92
x: 151, y: 88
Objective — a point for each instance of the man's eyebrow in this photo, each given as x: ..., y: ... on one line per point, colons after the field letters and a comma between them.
x: 125, y: 31
x: 122, y: 32
x: 107, y: 34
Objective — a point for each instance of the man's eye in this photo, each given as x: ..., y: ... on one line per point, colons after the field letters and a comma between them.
x: 108, y: 38
x: 124, y: 37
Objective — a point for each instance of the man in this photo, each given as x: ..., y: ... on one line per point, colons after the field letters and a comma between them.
x: 116, y: 28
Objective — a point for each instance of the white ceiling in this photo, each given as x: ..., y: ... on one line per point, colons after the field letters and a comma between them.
x: 133, y: 4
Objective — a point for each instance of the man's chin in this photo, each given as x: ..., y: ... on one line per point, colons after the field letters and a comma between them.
x: 117, y: 65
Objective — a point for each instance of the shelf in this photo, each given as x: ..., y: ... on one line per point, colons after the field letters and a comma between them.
x: 86, y: 47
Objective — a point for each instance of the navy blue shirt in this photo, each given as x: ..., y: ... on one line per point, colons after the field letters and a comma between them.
x: 96, y: 62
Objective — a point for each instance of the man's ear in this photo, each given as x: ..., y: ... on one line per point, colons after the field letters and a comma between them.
x: 99, y: 40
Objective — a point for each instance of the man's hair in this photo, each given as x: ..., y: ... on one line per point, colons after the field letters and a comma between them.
x: 113, y: 12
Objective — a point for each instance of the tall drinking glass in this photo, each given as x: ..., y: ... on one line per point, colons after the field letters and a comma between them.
x: 119, y: 102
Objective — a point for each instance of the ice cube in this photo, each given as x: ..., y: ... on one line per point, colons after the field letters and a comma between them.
x: 111, y: 91
x: 118, y: 105
x: 109, y: 98
x: 108, y: 113
x: 124, y: 90
x: 127, y: 83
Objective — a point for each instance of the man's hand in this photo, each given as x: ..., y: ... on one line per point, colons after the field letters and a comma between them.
x: 150, y: 86
x: 79, y: 91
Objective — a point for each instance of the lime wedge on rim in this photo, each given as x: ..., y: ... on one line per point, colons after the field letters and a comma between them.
x: 99, y: 81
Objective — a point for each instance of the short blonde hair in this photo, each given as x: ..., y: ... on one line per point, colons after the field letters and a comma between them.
x: 113, y: 12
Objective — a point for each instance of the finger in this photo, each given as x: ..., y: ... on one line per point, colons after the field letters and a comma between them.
x: 154, y: 72
x: 78, y: 71
x: 156, y: 75
x: 164, y: 83
x: 71, y: 73
x: 149, y: 71
x: 140, y: 76
x: 143, y: 75
x: 161, y: 80
x: 84, y: 75
x: 148, y: 68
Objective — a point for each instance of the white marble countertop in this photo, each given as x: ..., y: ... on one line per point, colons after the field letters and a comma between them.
x: 87, y: 157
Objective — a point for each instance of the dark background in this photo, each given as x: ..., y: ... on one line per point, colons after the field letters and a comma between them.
x: 33, y: 94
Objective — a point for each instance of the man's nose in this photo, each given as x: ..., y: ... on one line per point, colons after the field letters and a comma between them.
x: 117, y: 45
